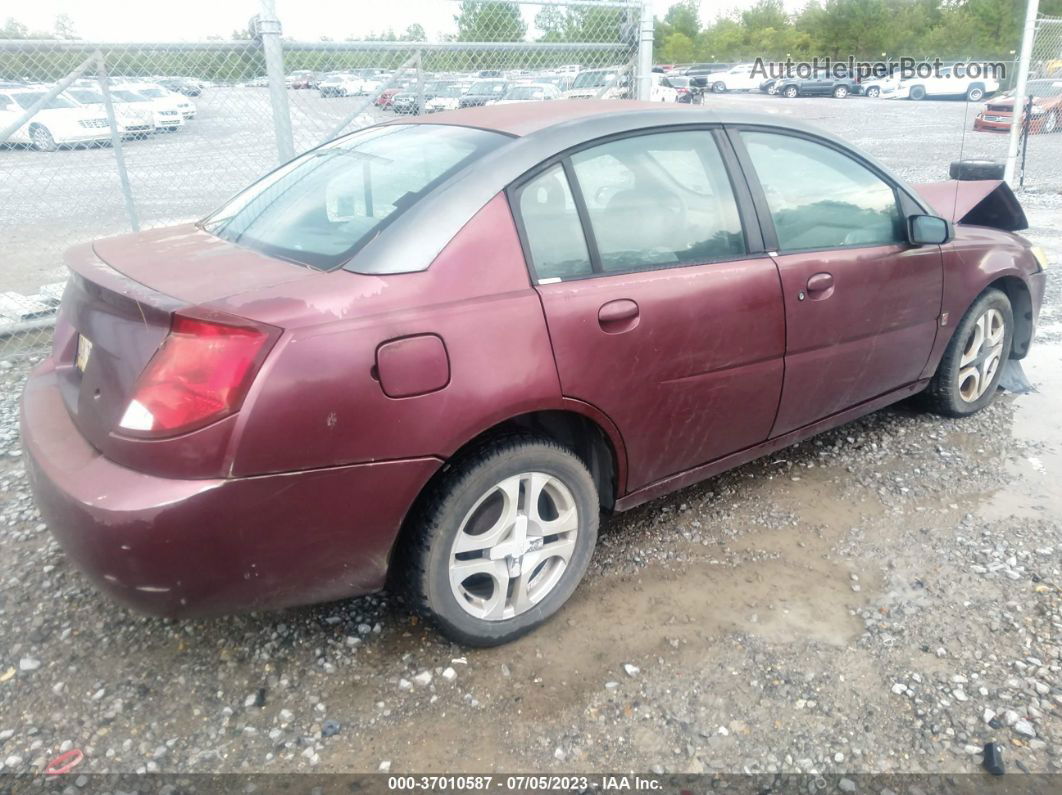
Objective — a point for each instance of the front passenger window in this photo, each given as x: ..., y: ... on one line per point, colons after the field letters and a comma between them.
x: 820, y: 198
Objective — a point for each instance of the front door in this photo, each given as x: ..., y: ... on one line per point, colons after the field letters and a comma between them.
x: 861, y: 304
x: 657, y: 313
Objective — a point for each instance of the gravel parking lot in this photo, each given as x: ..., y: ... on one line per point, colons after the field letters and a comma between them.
x: 883, y: 598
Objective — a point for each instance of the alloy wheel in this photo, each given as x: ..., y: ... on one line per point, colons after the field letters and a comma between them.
x: 513, y: 546
x: 981, y: 355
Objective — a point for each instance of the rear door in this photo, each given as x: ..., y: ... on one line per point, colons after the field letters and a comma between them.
x: 861, y: 303
x: 662, y: 311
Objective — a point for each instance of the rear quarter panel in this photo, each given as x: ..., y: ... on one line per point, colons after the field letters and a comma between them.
x: 318, y: 401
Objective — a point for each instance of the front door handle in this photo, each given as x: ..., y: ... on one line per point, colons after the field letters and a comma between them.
x: 820, y: 285
x: 618, y: 316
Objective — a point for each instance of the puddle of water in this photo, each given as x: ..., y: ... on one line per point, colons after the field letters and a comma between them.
x: 1033, y: 476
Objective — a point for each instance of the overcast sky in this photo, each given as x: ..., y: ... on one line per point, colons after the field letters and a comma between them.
x: 190, y: 20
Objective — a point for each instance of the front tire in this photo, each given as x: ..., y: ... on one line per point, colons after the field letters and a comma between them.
x: 974, y: 94
x: 501, y: 541
x: 917, y: 93
x: 840, y: 92
x: 969, y: 372
x: 790, y: 91
x: 42, y: 139
x: 873, y: 92
x: 719, y: 87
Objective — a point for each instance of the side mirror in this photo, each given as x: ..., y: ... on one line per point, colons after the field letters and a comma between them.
x: 923, y: 230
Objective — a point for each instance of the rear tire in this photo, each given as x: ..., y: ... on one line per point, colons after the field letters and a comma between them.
x: 42, y: 138
x: 975, y: 94
x: 840, y: 92
x: 917, y: 93
x: 969, y: 372
x: 719, y: 87
x: 873, y: 92
x: 486, y: 560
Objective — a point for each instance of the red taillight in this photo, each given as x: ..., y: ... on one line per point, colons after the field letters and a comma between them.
x: 200, y: 373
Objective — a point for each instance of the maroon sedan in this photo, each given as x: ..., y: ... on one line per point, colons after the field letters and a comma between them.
x: 431, y: 352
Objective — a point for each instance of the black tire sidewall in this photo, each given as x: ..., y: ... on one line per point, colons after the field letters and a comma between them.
x: 462, y: 493
x: 946, y: 383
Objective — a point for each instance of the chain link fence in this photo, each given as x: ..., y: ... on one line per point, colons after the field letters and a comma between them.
x: 98, y: 139
x: 1043, y: 96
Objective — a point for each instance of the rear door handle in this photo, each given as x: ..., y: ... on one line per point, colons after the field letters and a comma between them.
x: 820, y: 282
x: 617, y: 316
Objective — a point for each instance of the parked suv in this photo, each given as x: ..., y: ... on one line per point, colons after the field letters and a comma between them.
x: 951, y: 82
x: 823, y: 83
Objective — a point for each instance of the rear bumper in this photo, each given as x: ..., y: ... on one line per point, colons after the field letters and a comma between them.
x: 199, y: 547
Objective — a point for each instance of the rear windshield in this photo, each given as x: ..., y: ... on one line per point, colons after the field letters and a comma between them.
x: 320, y: 208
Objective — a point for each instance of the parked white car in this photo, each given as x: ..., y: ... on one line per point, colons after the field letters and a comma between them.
x: 610, y: 83
x: 171, y: 110
x: 133, y: 113
x: 448, y: 98
x: 61, y: 121
x: 662, y: 90
x: 532, y: 92
x: 880, y: 87
x: 951, y: 82
x: 736, y: 78
x: 339, y: 84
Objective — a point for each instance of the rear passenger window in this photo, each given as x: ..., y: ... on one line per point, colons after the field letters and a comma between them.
x: 551, y: 225
x: 821, y: 198
x: 659, y: 200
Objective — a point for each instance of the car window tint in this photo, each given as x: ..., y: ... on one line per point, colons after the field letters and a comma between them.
x: 551, y: 225
x: 820, y: 198
x: 323, y: 206
x: 659, y: 200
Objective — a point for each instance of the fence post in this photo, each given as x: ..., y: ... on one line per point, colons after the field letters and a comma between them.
x: 1019, y: 89
x: 269, y: 30
x: 645, y: 52
x: 420, y: 82
x: 116, y: 142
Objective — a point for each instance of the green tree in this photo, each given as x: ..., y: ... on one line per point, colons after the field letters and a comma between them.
x: 415, y: 32
x: 489, y: 21
x: 64, y: 27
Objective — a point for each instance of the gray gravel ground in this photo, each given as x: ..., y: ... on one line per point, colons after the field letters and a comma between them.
x: 883, y: 598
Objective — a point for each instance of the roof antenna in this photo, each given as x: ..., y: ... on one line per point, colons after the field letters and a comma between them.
x: 962, y: 149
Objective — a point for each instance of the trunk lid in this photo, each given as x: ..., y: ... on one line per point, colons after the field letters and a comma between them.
x: 118, y: 307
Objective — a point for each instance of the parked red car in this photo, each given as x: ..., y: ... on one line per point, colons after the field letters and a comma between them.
x: 1046, y: 110
x: 435, y: 349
